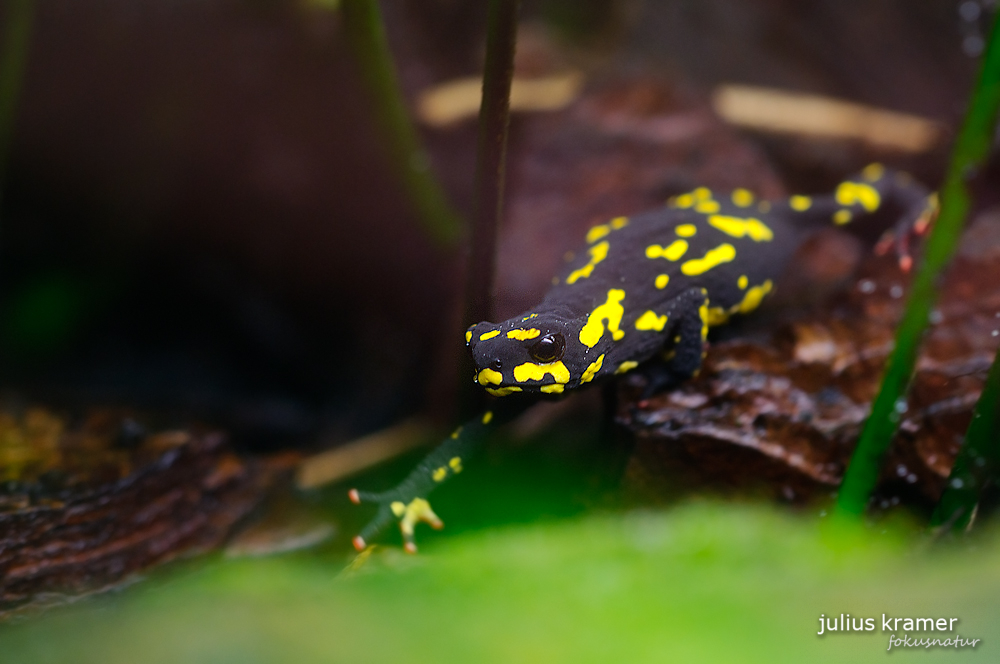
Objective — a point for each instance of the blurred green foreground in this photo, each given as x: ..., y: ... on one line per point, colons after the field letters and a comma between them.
x: 702, y: 583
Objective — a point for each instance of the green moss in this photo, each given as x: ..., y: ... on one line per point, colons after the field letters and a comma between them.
x: 704, y: 583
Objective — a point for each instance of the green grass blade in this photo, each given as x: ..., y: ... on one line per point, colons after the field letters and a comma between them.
x: 970, y: 151
x: 16, y: 19
x: 364, y: 29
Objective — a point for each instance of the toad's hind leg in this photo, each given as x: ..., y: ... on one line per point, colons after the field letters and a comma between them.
x: 686, y: 339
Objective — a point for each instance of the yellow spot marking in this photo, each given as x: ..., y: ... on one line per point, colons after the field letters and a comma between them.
x: 532, y: 371
x: 489, y: 335
x: 503, y: 391
x: 717, y: 316
x: 468, y: 336
x: 619, y: 222
x: 742, y: 281
x: 753, y: 297
x: 721, y: 254
x: 628, y: 365
x: 597, y: 232
x: 873, y: 172
x: 841, y: 217
x: 456, y: 433
x: 555, y: 388
x: 662, y: 280
x: 529, y: 317
x: 851, y: 193
x: 418, y: 510
x: 686, y: 230
x: 684, y: 201
x: 650, y: 321
x: 703, y: 313
x: 764, y: 206
x: 702, y: 193
x: 398, y: 508
x: 524, y: 335
x: 456, y: 464
x: 742, y: 198
x: 755, y: 229
x: 800, y: 203
x: 487, y: 417
x: 673, y: 252
x: 440, y: 474
x: 612, y: 312
x: 592, y: 370
x: 489, y: 377
x: 597, y: 254
x: 706, y: 207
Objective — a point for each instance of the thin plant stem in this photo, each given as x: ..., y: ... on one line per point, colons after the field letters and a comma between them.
x: 978, y: 461
x: 364, y: 29
x: 17, y: 20
x: 491, y: 154
x: 970, y: 151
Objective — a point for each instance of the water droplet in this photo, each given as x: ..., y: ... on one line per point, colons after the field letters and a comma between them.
x: 896, y: 292
x: 957, y: 483
x: 911, y: 478
x: 900, y: 405
x: 868, y: 286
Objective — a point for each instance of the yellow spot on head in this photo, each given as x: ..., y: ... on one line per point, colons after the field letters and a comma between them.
x: 440, y: 474
x: 724, y: 253
x: 529, y: 317
x: 650, y: 321
x: 742, y: 198
x: 612, y: 312
x: 489, y: 377
x: 456, y: 464
x: 597, y: 232
x: 742, y: 281
x: 702, y: 193
x: 524, y: 335
x: 487, y: 417
x: 597, y: 254
x: 800, y: 203
x: 398, y: 508
x: 662, y: 280
x: 841, y: 217
x: 503, y: 391
x: 619, y: 222
x: 706, y: 207
x: 852, y: 193
x: 489, y: 335
x: 684, y: 201
x: 532, y: 371
x: 468, y: 336
x: 673, y: 252
x: 592, y: 370
x: 628, y: 365
x: 873, y: 172
x: 555, y: 388
x: 755, y: 229
x: 686, y: 230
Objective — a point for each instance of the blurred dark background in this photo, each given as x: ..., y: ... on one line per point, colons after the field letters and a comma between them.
x: 199, y: 216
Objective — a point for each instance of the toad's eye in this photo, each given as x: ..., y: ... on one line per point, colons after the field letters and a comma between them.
x: 548, y: 349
